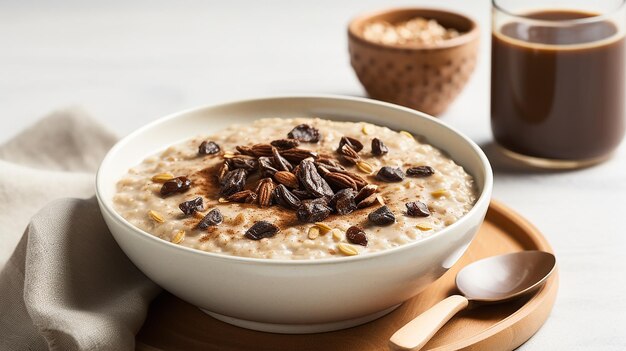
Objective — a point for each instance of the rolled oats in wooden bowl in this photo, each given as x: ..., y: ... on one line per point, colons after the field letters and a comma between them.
x: 295, y: 214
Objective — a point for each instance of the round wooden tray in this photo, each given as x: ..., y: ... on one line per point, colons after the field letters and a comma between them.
x: 172, y: 324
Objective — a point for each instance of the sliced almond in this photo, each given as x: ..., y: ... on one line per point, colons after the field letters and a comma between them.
x: 324, y: 228
x: 439, y: 193
x: 162, y: 177
x: 347, y: 249
x: 404, y: 132
x: 314, y: 232
x: 156, y: 216
x: 364, y: 167
x: 337, y: 234
x: 423, y: 226
x: 179, y: 237
x: 287, y: 179
x: 229, y: 154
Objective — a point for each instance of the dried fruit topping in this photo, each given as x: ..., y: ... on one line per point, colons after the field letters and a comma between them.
x: 245, y: 162
x: 261, y: 230
x: 208, y: 148
x: 266, y: 165
x: 222, y: 171
x: 175, y: 185
x: 247, y: 196
x: 213, y: 218
x: 343, y: 201
x: 233, y: 182
x: 356, y: 235
x: 313, y: 211
x: 262, y: 150
x: 191, y: 206
x: 378, y: 147
x: 353, y: 143
x: 245, y: 150
x: 365, y: 191
x: 382, y: 216
x: 265, y: 191
x: 339, y: 181
x: 390, y: 174
x: 281, y: 163
x: 349, y: 154
x: 360, y: 182
x: 305, y: 133
x: 371, y: 200
x: 312, y: 181
x: 417, y: 209
x: 286, y: 178
x: 329, y: 164
x: 285, y: 143
x: 302, y: 194
x: 420, y: 171
x: 285, y: 198
x: 297, y: 155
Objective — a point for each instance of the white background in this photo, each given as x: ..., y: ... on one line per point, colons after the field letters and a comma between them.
x: 128, y: 63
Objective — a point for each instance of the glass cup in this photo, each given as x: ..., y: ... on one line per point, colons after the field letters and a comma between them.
x: 557, y: 80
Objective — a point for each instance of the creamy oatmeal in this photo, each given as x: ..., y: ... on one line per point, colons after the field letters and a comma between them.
x: 298, y: 188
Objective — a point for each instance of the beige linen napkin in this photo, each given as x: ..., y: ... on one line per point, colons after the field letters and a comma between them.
x: 67, y: 285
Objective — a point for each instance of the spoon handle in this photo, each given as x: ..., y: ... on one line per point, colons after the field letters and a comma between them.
x: 415, y: 334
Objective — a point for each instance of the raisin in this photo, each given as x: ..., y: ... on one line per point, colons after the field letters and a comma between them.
x: 343, y: 201
x: 208, y: 148
x: 420, y: 171
x: 382, y: 216
x: 390, y: 174
x: 312, y: 181
x: 266, y: 165
x: 213, y: 218
x: 378, y: 147
x: 233, y: 182
x: 285, y: 143
x: 313, y: 211
x: 356, y: 235
x: 302, y: 194
x: 261, y: 230
x: 286, y: 198
x: 175, y: 185
x: 247, y: 163
x: 305, y: 133
x: 353, y: 143
x: 417, y: 209
x: 191, y: 206
x: 281, y: 163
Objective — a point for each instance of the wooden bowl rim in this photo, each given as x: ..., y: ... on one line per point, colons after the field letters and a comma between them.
x: 463, y: 39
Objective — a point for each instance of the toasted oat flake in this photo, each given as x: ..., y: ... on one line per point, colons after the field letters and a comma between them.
x: 347, y: 249
x: 366, y: 129
x: 229, y: 154
x: 364, y: 167
x: 239, y: 219
x: 179, y: 237
x: 199, y: 215
x: 162, y: 177
x: 156, y: 216
x: 314, y: 232
x: 223, y: 200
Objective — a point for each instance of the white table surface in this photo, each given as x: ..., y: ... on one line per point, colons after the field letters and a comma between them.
x: 128, y: 63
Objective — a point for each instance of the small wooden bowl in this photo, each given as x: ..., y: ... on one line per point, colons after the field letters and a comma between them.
x: 423, y: 77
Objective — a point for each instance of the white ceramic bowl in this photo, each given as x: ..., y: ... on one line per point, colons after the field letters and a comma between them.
x: 300, y: 296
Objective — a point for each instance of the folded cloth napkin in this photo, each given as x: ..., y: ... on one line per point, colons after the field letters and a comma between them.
x: 67, y: 285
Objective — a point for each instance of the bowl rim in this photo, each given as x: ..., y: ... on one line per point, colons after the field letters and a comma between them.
x: 485, y: 195
x: 462, y: 39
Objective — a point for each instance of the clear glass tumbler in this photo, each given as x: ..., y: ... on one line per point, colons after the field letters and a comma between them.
x: 557, y: 80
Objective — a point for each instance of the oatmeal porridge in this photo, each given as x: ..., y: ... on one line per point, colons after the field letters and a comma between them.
x: 300, y: 188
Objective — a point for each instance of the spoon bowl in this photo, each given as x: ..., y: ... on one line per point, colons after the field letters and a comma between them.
x: 490, y: 280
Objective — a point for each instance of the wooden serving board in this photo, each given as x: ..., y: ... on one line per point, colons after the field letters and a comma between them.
x: 172, y: 324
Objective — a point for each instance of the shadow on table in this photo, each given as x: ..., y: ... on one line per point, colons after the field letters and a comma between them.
x: 503, y: 164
